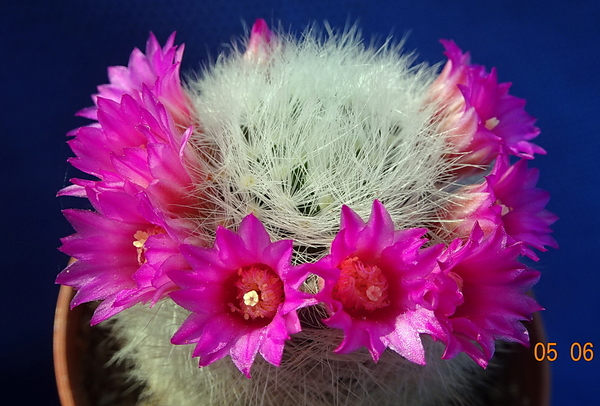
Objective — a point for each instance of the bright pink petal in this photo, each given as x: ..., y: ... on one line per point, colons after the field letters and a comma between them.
x: 524, y: 215
x: 377, y: 233
x: 244, y: 350
x: 406, y: 339
x: 158, y: 69
x: 272, y: 348
x: 254, y: 234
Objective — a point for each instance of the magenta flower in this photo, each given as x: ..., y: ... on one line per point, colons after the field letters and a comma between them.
x: 243, y: 295
x: 494, y: 288
x: 141, y: 158
x: 479, y: 114
x: 523, y: 205
x: 261, y: 42
x: 155, y: 193
x: 157, y: 69
x: 140, y: 144
x: 380, y: 287
x: 472, y: 204
x: 508, y: 196
x: 122, y: 258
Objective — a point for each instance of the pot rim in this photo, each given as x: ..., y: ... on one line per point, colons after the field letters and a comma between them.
x: 67, y: 350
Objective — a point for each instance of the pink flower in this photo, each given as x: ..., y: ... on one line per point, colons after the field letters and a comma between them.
x: 523, y: 205
x: 493, y: 285
x: 508, y: 196
x: 471, y: 204
x: 380, y: 287
x: 158, y: 69
x: 137, y: 142
x: 243, y: 295
x: 148, y: 238
x: 261, y: 42
x: 122, y: 258
x: 479, y: 114
x: 143, y: 199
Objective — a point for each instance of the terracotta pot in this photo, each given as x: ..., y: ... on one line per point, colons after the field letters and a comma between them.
x: 525, y: 382
x: 68, y: 349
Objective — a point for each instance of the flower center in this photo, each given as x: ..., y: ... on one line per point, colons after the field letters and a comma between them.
x: 140, y: 241
x: 259, y: 292
x: 361, y: 287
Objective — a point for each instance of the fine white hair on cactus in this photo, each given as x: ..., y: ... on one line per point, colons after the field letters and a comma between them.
x: 310, y: 373
x: 323, y: 121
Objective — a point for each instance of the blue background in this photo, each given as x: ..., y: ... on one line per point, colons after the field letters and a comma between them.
x: 54, y: 54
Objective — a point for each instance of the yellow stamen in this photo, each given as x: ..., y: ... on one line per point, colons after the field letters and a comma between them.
x: 374, y: 293
x: 259, y: 292
x: 140, y: 241
x: 251, y: 298
x: 505, y: 208
x: 491, y: 123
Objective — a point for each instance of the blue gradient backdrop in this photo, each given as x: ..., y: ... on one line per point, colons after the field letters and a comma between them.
x: 54, y: 54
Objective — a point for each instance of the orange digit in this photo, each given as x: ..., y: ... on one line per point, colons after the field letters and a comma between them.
x: 552, y: 350
x: 535, y: 351
x: 578, y: 351
x: 588, y: 353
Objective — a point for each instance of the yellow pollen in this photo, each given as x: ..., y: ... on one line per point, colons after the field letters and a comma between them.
x: 505, y: 208
x: 140, y: 238
x: 140, y: 241
x: 491, y: 123
x: 251, y: 298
